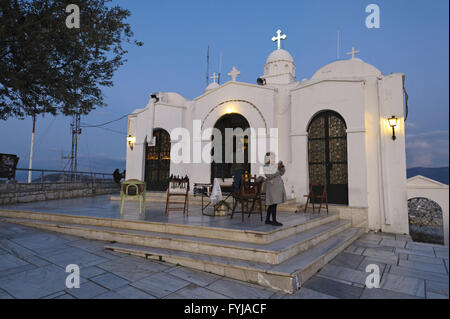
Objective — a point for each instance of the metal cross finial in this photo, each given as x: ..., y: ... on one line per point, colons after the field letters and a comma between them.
x: 234, y: 73
x: 214, y: 77
x: 278, y: 38
x: 353, y: 52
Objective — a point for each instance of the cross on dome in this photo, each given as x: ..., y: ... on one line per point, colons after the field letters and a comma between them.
x: 234, y: 73
x: 278, y: 38
x: 353, y: 53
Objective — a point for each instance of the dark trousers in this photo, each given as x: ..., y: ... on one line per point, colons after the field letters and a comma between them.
x: 272, y: 210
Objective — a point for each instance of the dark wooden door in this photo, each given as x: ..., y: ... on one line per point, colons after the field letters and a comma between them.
x: 223, y: 169
x: 157, y: 163
x: 327, y: 155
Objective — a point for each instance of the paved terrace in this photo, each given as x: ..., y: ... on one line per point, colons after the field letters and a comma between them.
x: 32, y: 263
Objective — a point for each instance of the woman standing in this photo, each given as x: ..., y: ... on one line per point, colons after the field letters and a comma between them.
x: 275, y: 192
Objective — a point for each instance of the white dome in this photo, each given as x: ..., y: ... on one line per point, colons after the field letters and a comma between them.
x: 280, y: 55
x: 212, y: 86
x: 347, y: 68
x: 280, y: 67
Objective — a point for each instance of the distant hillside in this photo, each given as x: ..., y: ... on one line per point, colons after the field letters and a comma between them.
x: 439, y: 174
x: 60, y: 178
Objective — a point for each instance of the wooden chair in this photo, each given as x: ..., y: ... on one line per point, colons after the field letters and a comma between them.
x: 249, y: 196
x: 315, y: 195
x: 178, y: 188
x: 132, y: 188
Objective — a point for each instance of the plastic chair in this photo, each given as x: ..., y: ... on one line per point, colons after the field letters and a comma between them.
x: 132, y: 188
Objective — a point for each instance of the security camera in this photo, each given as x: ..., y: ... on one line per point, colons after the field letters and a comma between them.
x: 154, y: 96
x: 261, y: 81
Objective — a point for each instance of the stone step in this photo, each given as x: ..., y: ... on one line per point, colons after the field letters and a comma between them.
x: 300, y: 224
x: 272, y: 253
x: 287, y: 276
x: 160, y: 197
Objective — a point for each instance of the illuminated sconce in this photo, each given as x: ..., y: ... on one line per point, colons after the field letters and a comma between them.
x: 393, y: 121
x: 131, y: 140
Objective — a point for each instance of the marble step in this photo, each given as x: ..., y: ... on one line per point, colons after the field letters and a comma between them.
x: 287, y: 276
x: 160, y: 197
x: 272, y: 253
x: 300, y: 224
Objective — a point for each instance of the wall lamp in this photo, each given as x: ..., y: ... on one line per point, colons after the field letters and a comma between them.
x: 393, y: 121
x: 131, y: 140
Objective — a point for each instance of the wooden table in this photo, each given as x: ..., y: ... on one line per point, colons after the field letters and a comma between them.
x: 205, y: 191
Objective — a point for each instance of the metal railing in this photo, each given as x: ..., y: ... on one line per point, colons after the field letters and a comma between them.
x: 43, y: 176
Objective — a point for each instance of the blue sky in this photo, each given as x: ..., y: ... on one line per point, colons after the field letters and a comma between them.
x: 413, y: 39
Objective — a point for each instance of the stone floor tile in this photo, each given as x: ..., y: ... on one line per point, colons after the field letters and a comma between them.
x: 87, y: 290
x: 160, y: 284
x: 35, y: 260
x: 305, y: 293
x: 195, y: 292
x: 378, y: 293
x: 423, y: 266
x: 74, y: 256
x: 415, y: 273
x: 420, y: 246
x: 92, y: 271
x: 41, y: 243
x: 35, y: 283
x: 432, y: 295
x: 352, y: 249
x: 405, y: 285
x: 441, y: 252
x: 130, y: 292
x: 109, y: 281
x: 347, y: 260
x: 379, y: 253
x: 8, y: 261
x: 200, y: 278
x: 425, y: 259
x: 65, y: 296
x: 15, y: 249
x: 393, y: 243
x: 239, y: 290
x: 437, y: 287
x: 132, y: 268
x: 333, y: 288
x: 346, y: 274
x: 55, y: 295
x: 109, y: 295
x: 5, y: 295
x: 426, y: 253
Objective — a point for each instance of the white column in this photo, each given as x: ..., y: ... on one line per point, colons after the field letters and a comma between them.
x: 356, y: 165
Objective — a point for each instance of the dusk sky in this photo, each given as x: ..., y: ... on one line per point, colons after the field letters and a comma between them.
x: 413, y: 39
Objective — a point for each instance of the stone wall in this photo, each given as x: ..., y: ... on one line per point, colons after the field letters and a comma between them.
x: 14, y: 193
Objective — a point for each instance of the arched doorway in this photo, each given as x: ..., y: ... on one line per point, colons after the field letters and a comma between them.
x: 157, y: 162
x: 426, y: 223
x: 327, y: 155
x: 227, y: 165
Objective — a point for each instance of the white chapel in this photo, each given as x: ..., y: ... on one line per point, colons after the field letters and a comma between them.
x: 343, y: 126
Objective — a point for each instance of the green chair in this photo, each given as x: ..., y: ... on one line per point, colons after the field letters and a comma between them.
x: 132, y: 188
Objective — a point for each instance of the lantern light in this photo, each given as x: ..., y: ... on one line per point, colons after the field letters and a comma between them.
x: 393, y: 121
x: 131, y: 140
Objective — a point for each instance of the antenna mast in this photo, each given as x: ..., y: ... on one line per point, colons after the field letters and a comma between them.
x: 207, y: 67
x: 338, y: 44
x: 220, y: 67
